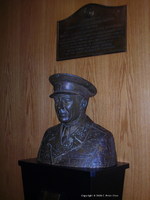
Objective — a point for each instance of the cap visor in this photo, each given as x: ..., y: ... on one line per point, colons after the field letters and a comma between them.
x: 64, y: 92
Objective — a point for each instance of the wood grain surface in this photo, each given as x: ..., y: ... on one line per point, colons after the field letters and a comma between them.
x: 122, y: 104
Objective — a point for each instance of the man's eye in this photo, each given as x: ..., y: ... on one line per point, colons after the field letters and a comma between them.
x: 67, y: 100
x: 56, y: 101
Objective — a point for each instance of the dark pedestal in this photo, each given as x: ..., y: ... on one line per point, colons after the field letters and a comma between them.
x: 40, y: 180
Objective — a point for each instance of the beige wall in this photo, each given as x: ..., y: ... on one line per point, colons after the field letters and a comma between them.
x: 28, y: 57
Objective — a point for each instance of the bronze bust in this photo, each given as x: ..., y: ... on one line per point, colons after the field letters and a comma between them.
x: 77, y: 141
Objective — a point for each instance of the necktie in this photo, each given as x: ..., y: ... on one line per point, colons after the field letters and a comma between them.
x: 64, y: 133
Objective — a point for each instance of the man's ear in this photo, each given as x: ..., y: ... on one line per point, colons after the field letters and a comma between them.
x: 84, y: 103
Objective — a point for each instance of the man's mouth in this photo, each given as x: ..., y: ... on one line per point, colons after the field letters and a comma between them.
x: 62, y: 114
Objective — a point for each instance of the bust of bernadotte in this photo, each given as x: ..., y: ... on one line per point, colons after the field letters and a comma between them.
x: 76, y: 141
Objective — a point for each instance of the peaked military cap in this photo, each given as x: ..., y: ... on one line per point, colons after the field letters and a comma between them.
x: 71, y: 84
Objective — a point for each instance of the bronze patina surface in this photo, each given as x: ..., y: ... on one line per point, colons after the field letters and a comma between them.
x: 77, y: 141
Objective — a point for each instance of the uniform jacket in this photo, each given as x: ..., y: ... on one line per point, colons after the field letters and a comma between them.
x: 86, y: 145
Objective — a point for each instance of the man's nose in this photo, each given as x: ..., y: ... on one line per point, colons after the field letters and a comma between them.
x: 61, y: 105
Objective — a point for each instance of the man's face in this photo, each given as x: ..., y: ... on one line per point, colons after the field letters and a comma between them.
x: 68, y: 107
